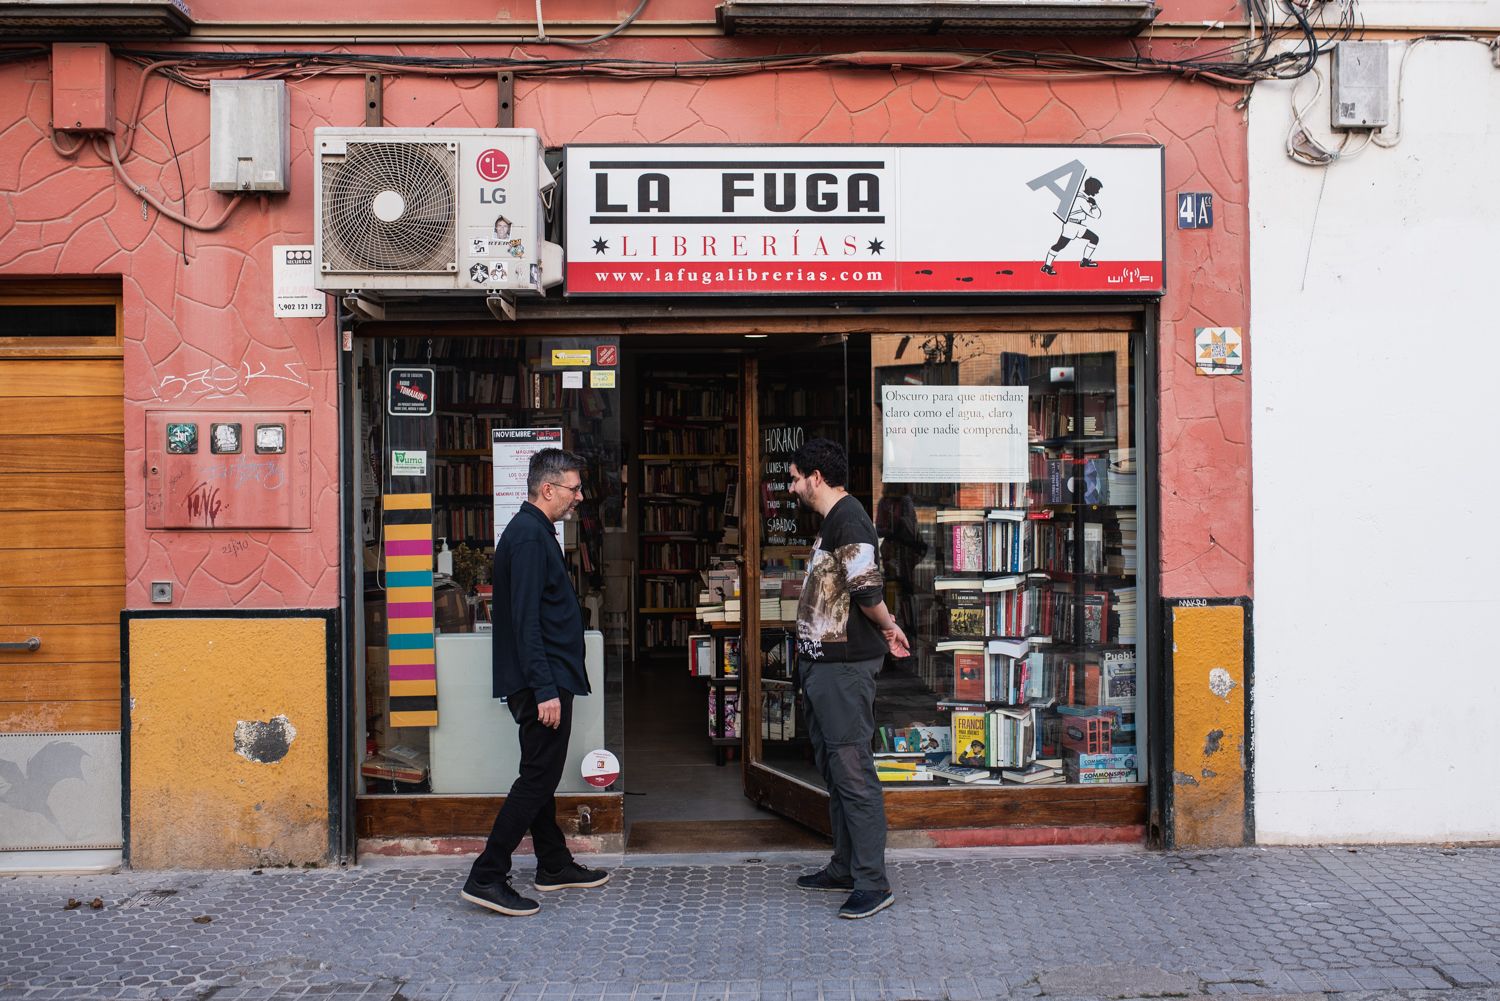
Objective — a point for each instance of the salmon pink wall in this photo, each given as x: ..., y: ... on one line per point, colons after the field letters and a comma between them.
x: 202, y: 334
x: 198, y: 335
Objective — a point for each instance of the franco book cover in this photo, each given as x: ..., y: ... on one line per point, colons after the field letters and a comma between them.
x: 969, y: 739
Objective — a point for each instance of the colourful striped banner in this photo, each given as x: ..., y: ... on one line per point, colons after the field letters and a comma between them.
x: 409, y: 608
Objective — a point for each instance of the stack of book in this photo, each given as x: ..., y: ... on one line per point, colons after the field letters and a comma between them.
x: 1121, y: 477
x: 893, y: 767
x: 1041, y: 772
x: 998, y: 738
x: 1107, y: 768
x: 1124, y: 603
x: 708, y: 609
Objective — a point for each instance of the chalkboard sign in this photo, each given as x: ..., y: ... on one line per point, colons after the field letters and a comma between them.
x: 784, y: 522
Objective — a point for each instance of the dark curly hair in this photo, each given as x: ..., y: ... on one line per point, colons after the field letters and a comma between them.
x: 827, y: 457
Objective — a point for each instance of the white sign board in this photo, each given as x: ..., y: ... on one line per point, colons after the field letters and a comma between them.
x: 511, y: 450
x: 954, y: 434
x: 292, y: 288
x: 695, y: 220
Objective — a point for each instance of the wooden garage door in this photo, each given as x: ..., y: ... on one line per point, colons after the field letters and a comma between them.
x: 62, y: 524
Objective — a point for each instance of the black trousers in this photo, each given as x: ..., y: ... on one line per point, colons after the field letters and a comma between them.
x: 531, y: 804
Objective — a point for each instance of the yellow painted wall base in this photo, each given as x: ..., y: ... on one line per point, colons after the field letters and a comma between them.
x: 1209, y: 732
x: 228, y: 742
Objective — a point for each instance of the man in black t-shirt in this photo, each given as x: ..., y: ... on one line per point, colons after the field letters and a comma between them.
x: 843, y: 633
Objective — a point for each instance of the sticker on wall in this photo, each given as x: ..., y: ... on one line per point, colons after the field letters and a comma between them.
x: 224, y: 439
x: 600, y: 768
x: 479, y: 273
x: 406, y: 462
x: 1219, y: 351
x: 564, y: 357
x: 607, y: 355
x: 182, y: 439
x: 602, y: 378
x: 270, y: 439
x: 572, y: 380
x: 292, y: 288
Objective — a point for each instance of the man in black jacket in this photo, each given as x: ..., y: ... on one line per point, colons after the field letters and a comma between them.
x: 538, y: 669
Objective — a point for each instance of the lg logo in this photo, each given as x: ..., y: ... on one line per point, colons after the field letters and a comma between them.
x: 493, y: 165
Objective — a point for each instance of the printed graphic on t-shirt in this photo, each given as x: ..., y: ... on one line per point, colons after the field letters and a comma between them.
x: 823, y: 611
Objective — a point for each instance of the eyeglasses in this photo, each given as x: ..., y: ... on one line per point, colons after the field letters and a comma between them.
x: 577, y: 491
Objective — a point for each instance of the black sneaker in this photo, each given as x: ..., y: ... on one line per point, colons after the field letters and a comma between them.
x: 499, y: 897
x: 1086, y: 263
x: 863, y: 903
x: 820, y: 880
x: 571, y: 874
x: 1047, y: 270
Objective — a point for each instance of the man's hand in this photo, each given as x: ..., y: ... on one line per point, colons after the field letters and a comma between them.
x: 549, y: 713
x: 896, y: 640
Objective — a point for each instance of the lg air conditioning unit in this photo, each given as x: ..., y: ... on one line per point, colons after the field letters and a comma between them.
x: 432, y: 211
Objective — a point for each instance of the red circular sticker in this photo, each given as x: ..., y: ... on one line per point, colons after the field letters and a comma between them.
x: 600, y: 768
x: 493, y: 165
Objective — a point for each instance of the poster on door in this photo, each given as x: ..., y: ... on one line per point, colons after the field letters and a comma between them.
x: 511, y: 450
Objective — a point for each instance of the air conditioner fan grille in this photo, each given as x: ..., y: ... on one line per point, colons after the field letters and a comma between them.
x: 420, y: 238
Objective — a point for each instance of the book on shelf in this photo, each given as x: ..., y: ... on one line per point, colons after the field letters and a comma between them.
x: 969, y: 738
x: 1033, y: 774
x: 966, y: 552
x: 1012, y: 738
x: 1118, y: 682
x: 917, y: 741
x: 729, y: 697
x: 778, y: 719
x: 967, y: 613
x: 1106, y: 776
x: 968, y: 671
x: 947, y: 769
x: 701, y: 655
x: 729, y: 657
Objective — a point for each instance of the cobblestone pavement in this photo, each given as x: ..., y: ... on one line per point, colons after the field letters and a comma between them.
x: 976, y: 924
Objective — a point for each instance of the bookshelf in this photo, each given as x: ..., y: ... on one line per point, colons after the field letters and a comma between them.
x: 687, y: 459
x: 1019, y: 597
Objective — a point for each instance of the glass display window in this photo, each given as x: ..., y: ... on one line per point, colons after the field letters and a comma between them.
x: 1005, y: 498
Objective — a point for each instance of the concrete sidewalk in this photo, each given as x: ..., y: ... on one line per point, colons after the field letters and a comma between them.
x: 973, y: 924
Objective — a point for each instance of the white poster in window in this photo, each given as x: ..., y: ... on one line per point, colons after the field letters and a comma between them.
x: 511, y: 450
x: 954, y: 434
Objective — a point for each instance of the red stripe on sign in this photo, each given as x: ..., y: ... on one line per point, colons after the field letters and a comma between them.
x: 733, y: 276
x: 1069, y: 275
x: 409, y: 609
x: 1027, y: 276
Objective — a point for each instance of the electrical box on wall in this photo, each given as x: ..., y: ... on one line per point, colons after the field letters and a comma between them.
x: 228, y: 469
x: 249, y: 145
x: 83, y: 87
x: 1361, y: 85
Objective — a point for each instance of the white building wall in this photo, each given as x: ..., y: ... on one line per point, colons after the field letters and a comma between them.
x: 1375, y: 358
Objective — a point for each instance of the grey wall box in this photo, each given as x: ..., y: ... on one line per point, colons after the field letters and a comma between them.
x: 249, y: 145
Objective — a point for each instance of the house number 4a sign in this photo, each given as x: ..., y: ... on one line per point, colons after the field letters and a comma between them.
x: 1195, y: 210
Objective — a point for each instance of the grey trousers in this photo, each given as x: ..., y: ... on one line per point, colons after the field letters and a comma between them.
x: 838, y: 699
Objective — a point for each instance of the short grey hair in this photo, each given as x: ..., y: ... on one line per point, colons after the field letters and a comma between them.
x: 547, y: 465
